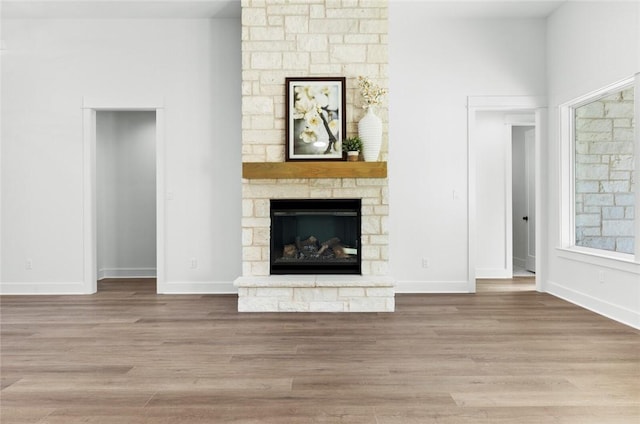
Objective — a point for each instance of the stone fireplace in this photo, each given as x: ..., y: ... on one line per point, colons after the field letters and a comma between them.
x: 260, y: 290
x: 311, y: 38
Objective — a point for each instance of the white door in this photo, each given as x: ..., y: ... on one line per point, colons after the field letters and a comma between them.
x: 523, y: 196
x: 529, y: 140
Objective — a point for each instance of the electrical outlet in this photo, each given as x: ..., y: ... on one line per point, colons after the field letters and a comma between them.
x: 601, y: 276
x: 194, y: 263
x: 425, y: 263
x: 28, y: 265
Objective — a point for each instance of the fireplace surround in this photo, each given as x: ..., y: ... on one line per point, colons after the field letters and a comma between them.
x: 368, y: 289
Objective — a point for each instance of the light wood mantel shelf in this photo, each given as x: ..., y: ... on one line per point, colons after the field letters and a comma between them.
x: 314, y: 169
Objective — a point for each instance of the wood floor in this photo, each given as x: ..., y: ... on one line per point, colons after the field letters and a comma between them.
x: 129, y: 356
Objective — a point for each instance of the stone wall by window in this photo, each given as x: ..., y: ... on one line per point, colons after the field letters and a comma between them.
x: 604, y: 173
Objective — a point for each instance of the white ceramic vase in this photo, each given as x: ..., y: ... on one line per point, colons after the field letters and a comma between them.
x: 370, y: 132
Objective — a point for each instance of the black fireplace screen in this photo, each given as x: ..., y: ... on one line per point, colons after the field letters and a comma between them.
x: 315, y: 236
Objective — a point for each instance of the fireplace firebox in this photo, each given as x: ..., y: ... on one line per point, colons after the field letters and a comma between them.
x: 316, y: 236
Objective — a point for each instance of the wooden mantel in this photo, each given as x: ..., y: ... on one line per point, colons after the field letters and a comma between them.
x: 313, y: 169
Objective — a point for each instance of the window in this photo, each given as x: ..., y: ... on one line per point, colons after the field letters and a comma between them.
x: 601, y: 193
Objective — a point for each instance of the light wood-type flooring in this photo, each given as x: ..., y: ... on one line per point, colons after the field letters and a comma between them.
x: 127, y: 356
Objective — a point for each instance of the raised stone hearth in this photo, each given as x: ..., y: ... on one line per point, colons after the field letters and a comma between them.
x: 315, y: 293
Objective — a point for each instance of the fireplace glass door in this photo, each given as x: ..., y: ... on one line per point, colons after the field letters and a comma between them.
x: 315, y: 236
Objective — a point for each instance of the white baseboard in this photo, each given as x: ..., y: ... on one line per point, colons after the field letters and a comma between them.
x: 49, y: 288
x: 601, y: 307
x: 126, y: 273
x: 198, y: 287
x: 42, y: 288
x: 432, y: 287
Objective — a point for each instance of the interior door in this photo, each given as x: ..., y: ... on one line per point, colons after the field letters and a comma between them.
x: 529, y: 140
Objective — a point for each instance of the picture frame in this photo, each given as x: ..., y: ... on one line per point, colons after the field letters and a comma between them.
x: 315, y: 118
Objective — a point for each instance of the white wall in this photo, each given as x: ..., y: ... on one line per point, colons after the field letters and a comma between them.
x: 49, y: 67
x: 126, y: 194
x: 435, y: 64
x: 583, y: 58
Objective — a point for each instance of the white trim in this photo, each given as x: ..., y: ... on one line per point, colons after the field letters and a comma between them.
x: 90, y: 106
x: 120, y: 104
x: 472, y: 235
x: 599, y: 93
x: 601, y: 258
x: 42, y: 288
x: 540, y: 171
x: 126, y: 273
x: 506, y: 103
x: 566, y: 164
x: 199, y: 287
x: 609, y: 310
x: 160, y: 201
x: 509, y: 104
x: 432, y: 287
x: 507, y: 144
x: 89, y: 228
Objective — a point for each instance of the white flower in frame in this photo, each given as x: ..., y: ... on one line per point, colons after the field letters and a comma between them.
x: 313, y: 120
x: 309, y: 135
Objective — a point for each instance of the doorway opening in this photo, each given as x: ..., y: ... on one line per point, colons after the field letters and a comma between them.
x: 126, y: 195
x: 123, y: 210
x: 491, y: 218
x: 508, y: 285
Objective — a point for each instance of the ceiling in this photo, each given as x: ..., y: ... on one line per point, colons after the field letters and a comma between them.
x: 166, y: 9
x: 118, y: 9
x: 479, y: 9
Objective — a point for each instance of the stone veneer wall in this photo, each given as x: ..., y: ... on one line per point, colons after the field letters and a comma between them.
x: 299, y: 38
x: 605, y: 173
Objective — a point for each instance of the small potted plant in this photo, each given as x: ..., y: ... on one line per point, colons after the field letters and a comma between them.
x: 353, y: 146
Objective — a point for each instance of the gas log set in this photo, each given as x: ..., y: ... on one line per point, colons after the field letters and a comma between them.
x: 310, y: 249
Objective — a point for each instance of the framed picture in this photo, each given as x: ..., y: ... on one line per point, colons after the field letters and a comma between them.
x: 315, y: 114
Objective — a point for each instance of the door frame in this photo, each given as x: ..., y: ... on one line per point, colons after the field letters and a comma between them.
x: 90, y: 107
x: 508, y: 104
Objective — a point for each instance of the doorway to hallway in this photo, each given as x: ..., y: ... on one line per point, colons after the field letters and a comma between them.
x: 490, y: 212
x: 126, y: 194
x: 91, y: 108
